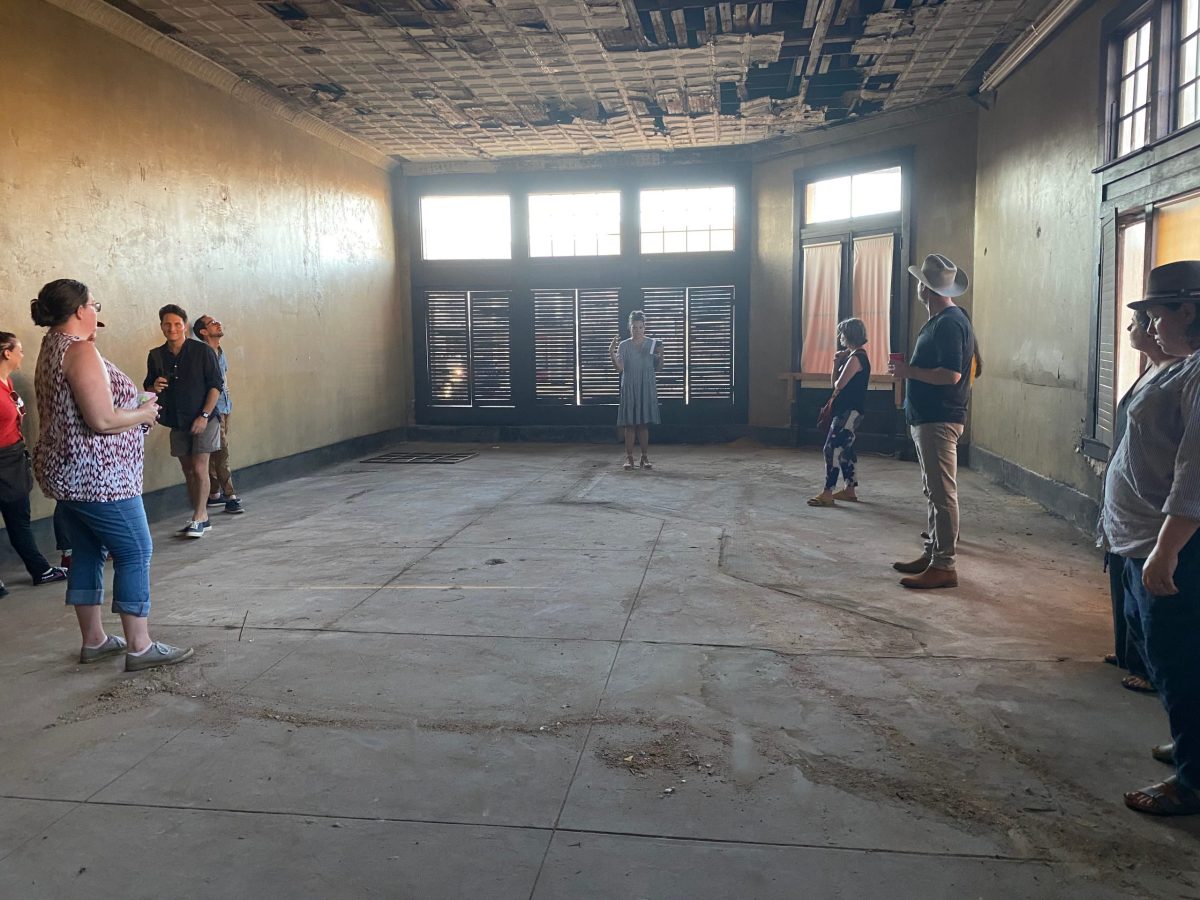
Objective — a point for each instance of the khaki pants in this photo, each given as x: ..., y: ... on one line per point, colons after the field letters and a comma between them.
x: 937, y: 454
x: 219, y: 479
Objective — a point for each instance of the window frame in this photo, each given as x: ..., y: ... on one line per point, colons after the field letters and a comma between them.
x: 629, y: 272
x: 1164, y: 67
x: 846, y: 230
x: 1137, y: 184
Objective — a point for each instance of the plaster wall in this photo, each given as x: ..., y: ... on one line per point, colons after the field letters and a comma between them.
x: 942, y: 142
x: 1035, y: 255
x: 153, y: 187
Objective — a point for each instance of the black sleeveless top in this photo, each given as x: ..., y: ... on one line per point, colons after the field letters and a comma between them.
x: 854, y: 394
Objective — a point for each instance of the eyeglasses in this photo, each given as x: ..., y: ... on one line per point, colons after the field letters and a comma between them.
x: 18, y: 403
x: 94, y: 305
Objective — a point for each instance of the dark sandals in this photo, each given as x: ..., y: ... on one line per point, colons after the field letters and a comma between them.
x: 1164, y: 753
x: 1138, y: 684
x: 1167, y: 798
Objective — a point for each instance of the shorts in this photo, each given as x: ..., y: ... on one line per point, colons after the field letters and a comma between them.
x: 184, y: 443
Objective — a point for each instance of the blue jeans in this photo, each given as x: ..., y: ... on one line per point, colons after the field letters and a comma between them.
x: 120, y: 526
x: 1170, y: 630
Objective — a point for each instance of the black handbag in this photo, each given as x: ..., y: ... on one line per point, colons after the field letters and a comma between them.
x: 16, y: 473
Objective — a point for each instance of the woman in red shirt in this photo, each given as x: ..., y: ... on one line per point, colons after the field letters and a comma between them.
x: 16, y: 477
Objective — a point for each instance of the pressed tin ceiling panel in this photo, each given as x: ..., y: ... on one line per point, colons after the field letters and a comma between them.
x: 459, y: 80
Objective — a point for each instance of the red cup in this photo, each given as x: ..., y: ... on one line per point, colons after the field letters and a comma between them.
x: 895, y: 357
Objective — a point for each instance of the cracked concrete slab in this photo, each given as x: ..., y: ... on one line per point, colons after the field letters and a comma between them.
x: 224, y: 854
x: 683, y: 682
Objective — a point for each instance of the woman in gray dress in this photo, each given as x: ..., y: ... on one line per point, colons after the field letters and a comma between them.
x: 637, y: 358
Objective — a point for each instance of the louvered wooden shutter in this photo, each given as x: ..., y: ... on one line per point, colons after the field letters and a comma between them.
x: 554, y: 346
x: 599, y: 322
x: 447, y: 337
x: 666, y: 320
x: 710, y: 343
x: 1106, y: 332
x: 491, y: 349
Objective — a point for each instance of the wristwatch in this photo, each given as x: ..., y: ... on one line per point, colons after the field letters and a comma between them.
x: 205, y: 415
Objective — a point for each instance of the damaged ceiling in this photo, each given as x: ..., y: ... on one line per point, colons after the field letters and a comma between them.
x: 447, y: 80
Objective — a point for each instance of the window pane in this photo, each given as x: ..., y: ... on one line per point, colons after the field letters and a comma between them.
x: 1130, y: 278
x: 1187, y: 106
x: 674, y: 241
x: 1191, y: 8
x: 675, y: 213
x: 573, y: 224
x: 1187, y: 61
x: 1177, y: 231
x: 1144, y: 44
x: 608, y: 245
x: 875, y: 192
x: 722, y: 240
x: 1139, y: 129
x: 819, y: 306
x: 1127, y: 103
x: 1125, y: 142
x: 828, y: 201
x: 466, y: 227
x: 1129, y: 54
x: 1141, y: 93
x: 652, y: 242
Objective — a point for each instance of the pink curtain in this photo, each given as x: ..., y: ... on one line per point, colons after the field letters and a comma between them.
x: 822, y: 278
x: 873, y: 295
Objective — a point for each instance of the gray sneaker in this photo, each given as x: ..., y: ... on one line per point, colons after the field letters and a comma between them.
x: 111, y: 647
x: 159, y: 654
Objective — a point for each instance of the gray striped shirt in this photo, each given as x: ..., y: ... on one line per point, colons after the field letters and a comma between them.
x: 1156, y: 469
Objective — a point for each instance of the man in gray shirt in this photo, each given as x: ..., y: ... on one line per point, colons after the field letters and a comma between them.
x: 1152, y: 518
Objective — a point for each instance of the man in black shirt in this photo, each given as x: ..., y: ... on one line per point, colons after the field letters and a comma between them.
x: 937, y: 388
x: 187, y: 379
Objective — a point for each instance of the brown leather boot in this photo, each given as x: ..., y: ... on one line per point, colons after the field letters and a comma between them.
x: 916, y: 567
x: 933, y: 577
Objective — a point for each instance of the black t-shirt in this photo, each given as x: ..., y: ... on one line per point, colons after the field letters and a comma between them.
x: 854, y: 394
x: 190, y: 376
x: 946, y: 342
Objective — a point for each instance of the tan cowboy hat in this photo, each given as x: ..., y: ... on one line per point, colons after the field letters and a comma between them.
x: 941, y: 276
x: 1176, y: 282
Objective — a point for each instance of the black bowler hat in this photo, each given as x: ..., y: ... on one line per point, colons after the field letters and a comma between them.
x: 1177, y: 282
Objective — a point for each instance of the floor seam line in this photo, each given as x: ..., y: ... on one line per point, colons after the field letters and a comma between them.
x: 587, y: 736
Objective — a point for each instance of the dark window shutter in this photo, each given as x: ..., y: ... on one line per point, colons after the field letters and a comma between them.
x: 1106, y: 333
x: 599, y: 322
x: 554, y: 346
x: 666, y: 320
x: 447, y: 337
x: 491, y: 349
x: 710, y: 343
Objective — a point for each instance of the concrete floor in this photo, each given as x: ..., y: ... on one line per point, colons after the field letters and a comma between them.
x: 533, y: 675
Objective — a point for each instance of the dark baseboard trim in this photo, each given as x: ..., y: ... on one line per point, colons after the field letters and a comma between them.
x: 172, y: 502
x: 1059, y: 499
x: 596, y: 434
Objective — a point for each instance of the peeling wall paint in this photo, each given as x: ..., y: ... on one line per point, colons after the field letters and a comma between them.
x: 152, y: 187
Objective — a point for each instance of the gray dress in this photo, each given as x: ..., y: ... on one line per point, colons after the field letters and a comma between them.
x: 639, y: 389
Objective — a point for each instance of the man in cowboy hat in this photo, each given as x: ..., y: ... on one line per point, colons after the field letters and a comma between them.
x: 1152, y: 518
x: 937, y: 388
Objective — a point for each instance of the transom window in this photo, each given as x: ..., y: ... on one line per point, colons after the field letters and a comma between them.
x: 852, y: 196
x: 690, y: 220
x: 1133, y: 115
x: 575, y: 224
x: 478, y: 227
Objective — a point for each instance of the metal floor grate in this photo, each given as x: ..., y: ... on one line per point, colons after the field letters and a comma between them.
x: 406, y: 458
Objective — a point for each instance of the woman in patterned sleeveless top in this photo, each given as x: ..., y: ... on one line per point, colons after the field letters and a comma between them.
x: 89, y: 458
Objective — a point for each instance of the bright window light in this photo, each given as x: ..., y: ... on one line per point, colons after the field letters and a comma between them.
x: 575, y: 224
x: 691, y: 220
x: 466, y: 227
x: 853, y: 196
